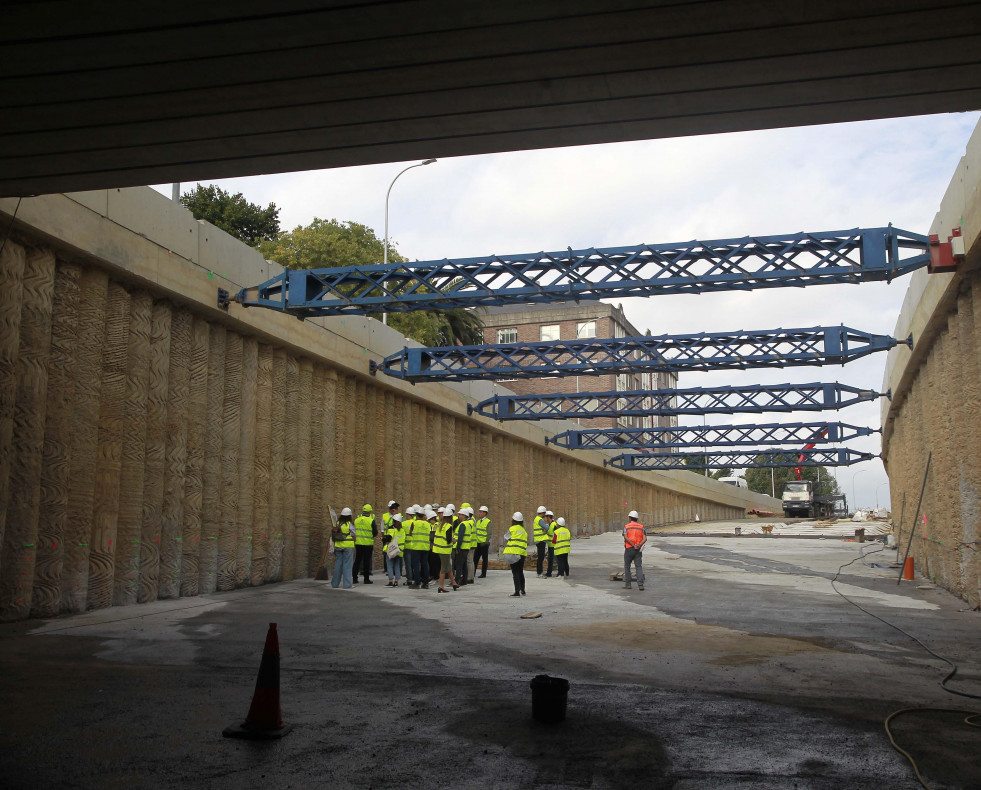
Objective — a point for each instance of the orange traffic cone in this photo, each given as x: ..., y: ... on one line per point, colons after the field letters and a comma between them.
x: 265, y: 719
x: 908, y: 570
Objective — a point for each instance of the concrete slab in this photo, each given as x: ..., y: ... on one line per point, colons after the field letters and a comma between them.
x: 737, y: 666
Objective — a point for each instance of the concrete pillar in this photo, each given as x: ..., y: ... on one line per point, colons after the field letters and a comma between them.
x: 59, y: 422
x: 289, y: 468
x: 277, y: 463
x: 246, y: 463
x: 262, y: 465
x: 231, y: 433
x: 105, y: 515
x: 211, y: 480
x: 172, y: 514
x: 304, y: 411
x: 11, y: 299
x: 21, y: 535
x: 193, y: 474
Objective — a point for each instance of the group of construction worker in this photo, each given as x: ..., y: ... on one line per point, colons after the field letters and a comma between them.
x: 434, y: 543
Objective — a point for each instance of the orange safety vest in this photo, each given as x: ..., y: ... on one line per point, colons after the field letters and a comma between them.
x: 635, y: 533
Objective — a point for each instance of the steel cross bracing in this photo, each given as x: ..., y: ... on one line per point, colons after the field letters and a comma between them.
x: 749, y: 459
x: 753, y: 399
x: 708, y: 436
x: 793, y: 260
x: 776, y: 348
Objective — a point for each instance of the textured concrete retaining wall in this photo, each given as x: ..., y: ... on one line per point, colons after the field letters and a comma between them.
x: 153, y: 445
x: 936, y: 403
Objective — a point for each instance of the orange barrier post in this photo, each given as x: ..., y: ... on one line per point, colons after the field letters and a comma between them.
x: 265, y: 719
x: 908, y: 570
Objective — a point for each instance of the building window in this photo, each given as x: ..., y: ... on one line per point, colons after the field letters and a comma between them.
x: 586, y: 329
x: 550, y: 332
x: 618, y: 331
x: 509, y: 335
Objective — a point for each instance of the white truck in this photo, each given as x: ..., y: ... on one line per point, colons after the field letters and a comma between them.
x: 801, y: 501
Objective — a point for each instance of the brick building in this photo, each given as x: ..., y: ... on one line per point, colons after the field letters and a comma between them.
x: 571, y: 321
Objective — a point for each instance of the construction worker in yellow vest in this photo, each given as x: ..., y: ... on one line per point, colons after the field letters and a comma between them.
x: 421, y: 539
x: 562, y: 543
x: 549, y: 521
x: 483, y: 538
x: 343, y: 536
x: 466, y: 540
x: 410, y: 552
x: 366, y: 530
x: 443, y: 548
x: 393, y: 509
x: 540, y: 536
x: 515, y: 550
x: 395, y: 533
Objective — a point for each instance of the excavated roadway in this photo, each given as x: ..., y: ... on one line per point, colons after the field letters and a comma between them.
x: 737, y: 667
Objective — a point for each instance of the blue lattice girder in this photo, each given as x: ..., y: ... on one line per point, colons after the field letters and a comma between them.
x: 741, y: 350
x: 752, y: 399
x: 708, y: 436
x: 748, y: 459
x: 792, y: 260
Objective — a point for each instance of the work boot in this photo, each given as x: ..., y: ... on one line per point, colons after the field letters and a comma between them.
x: 425, y: 586
x: 368, y: 581
x: 626, y: 586
x: 640, y: 586
x: 514, y: 595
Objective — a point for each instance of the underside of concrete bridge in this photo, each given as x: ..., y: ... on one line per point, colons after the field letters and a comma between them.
x: 141, y: 93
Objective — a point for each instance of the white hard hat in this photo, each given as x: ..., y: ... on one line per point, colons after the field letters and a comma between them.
x: 549, y: 513
x: 393, y: 503
x: 633, y: 514
x: 541, y: 509
x: 450, y: 509
x: 346, y: 511
x: 397, y: 517
x: 484, y: 508
x: 430, y: 513
x: 418, y: 508
x: 442, y: 511
x: 560, y: 521
x: 467, y: 511
x: 516, y: 516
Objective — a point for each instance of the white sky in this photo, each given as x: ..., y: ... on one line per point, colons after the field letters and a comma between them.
x: 813, y: 178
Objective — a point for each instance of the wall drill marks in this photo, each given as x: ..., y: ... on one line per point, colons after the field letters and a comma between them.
x: 146, y: 453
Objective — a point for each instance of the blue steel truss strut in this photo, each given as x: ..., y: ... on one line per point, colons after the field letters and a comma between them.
x: 748, y: 459
x: 775, y: 348
x: 708, y: 436
x: 753, y: 399
x: 792, y: 260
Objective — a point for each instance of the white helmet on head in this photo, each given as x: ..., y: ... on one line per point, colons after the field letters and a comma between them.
x: 346, y: 511
x: 450, y: 509
x: 516, y: 516
x: 560, y: 521
x: 397, y: 517
x: 483, y: 508
x: 542, y: 509
x: 442, y: 511
x: 430, y: 513
x: 393, y: 503
x: 467, y: 511
x: 633, y: 514
x: 549, y: 513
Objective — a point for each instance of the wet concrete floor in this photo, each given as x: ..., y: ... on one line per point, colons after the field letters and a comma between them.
x: 737, y: 667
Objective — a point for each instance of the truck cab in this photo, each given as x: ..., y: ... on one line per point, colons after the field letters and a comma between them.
x: 798, y: 498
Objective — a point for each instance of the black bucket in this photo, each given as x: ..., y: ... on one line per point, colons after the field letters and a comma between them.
x: 548, y: 698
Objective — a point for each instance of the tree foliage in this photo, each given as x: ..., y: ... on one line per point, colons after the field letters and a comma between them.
x: 327, y: 243
x: 758, y: 479
x: 233, y: 214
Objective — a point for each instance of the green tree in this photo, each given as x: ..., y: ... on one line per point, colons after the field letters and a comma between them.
x: 233, y: 214
x: 758, y: 479
x: 327, y: 243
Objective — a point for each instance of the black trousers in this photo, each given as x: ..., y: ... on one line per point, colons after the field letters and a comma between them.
x: 362, y: 560
x: 461, y: 559
x: 518, y: 575
x: 541, y: 555
x: 563, y: 560
x: 480, y: 553
x: 551, y: 560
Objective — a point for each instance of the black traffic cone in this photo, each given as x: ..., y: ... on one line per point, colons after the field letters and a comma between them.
x: 265, y: 719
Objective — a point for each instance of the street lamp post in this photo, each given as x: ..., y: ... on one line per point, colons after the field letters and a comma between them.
x: 418, y: 164
x: 877, y: 493
x: 855, y: 498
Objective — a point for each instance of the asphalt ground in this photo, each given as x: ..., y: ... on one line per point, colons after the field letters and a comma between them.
x: 738, y: 666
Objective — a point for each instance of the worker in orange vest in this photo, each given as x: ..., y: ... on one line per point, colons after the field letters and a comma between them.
x: 634, y: 538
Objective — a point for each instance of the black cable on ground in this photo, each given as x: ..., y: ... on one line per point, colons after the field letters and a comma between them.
x: 971, y: 717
